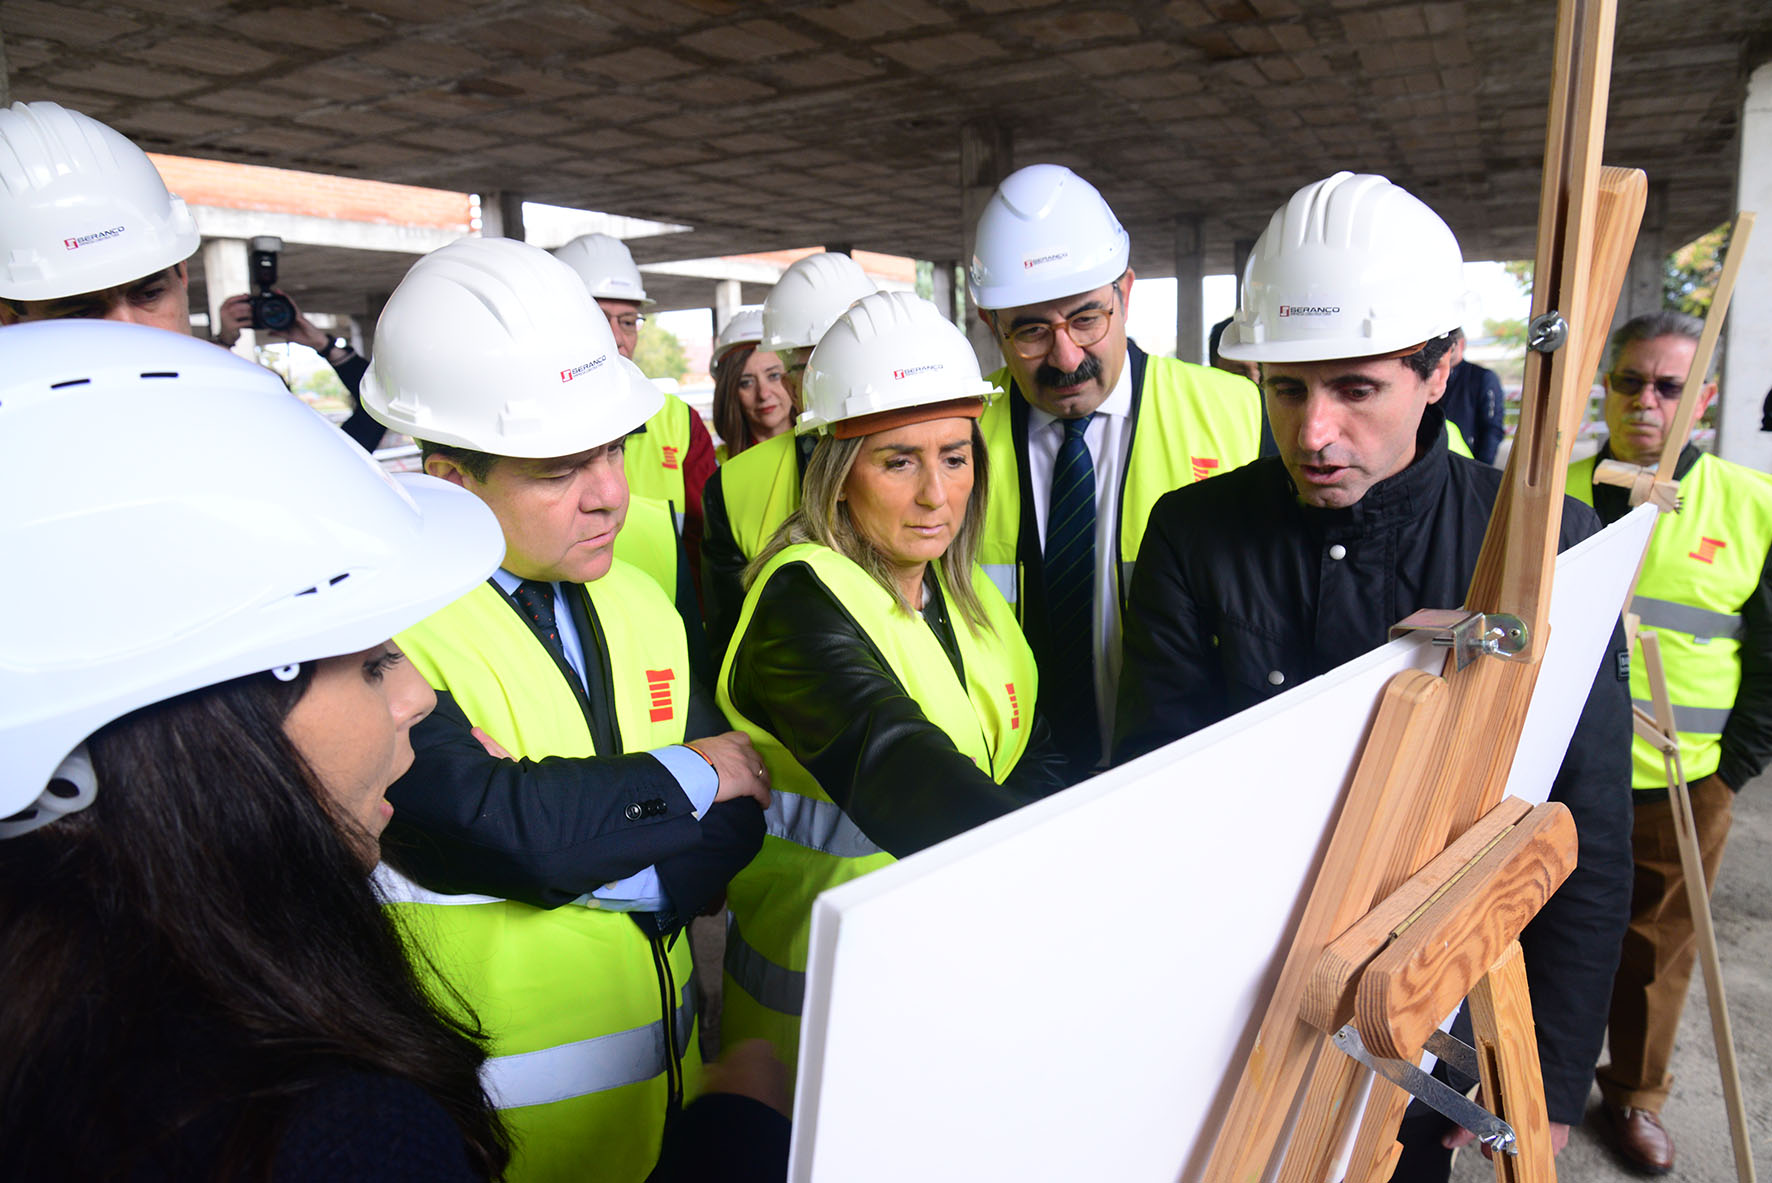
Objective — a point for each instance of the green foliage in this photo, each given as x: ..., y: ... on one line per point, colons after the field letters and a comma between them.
x: 659, y: 354
x: 926, y: 279
x: 1689, y: 275
x: 1511, y: 333
x: 1521, y: 270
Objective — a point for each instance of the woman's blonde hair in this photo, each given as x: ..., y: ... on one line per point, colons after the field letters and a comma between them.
x: 823, y: 517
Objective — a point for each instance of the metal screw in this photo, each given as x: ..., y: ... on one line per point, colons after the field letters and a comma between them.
x: 1547, y: 333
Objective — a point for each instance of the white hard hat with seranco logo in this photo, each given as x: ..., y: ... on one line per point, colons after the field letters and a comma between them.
x: 81, y: 208
x: 1352, y: 266
x: 494, y: 345
x: 1045, y: 234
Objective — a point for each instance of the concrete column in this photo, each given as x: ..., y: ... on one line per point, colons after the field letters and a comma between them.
x: 728, y: 295
x: 986, y: 157
x: 227, y: 272
x: 361, y: 331
x: 501, y: 215
x: 1190, y: 269
x: 1747, y: 363
x: 1648, y: 260
x: 944, y: 294
x: 1241, y: 249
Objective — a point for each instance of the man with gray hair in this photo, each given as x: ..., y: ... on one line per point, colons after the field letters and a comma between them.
x: 1706, y: 591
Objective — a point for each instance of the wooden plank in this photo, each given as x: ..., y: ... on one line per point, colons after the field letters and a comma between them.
x: 1409, y: 722
x: 1707, y: 344
x: 1421, y: 978
x: 1507, y: 1054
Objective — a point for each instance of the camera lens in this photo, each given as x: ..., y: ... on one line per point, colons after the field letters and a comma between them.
x: 272, y: 311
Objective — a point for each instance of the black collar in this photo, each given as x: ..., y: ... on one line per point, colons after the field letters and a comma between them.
x: 1407, y: 495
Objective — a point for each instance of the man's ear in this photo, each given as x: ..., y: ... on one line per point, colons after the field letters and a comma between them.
x: 443, y: 468
x: 1436, y: 381
x: 1126, y: 289
x: 1704, y: 400
x: 182, y: 274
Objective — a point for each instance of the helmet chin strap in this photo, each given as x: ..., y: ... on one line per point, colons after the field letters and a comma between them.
x: 72, y: 787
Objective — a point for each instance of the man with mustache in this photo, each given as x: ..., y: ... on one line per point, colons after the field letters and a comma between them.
x: 1255, y: 582
x: 1706, y: 591
x: 1095, y: 431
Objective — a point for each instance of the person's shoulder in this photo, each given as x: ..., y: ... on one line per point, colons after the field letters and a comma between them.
x: 1177, y: 374
x: 1751, y: 481
x: 357, y: 1125
x: 1226, y: 503
x: 760, y: 457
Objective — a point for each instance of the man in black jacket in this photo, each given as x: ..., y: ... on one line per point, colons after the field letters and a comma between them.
x: 1262, y: 578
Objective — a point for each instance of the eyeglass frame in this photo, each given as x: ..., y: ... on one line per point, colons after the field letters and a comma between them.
x: 619, y: 321
x: 1659, y: 385
x: 1054, y: 327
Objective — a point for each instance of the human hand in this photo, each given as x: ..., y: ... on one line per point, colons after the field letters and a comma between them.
x: 750, y: 1069
x: 1459, y: 1136
x: 235, y: 314
x: 741, y: 771
x: 492, y: 746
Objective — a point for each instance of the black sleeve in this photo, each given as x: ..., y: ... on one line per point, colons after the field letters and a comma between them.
x: 722, y: 570
x: 1572, y: 945
x: 696, y: 879
x: 540, y: 831
x: 1171, y: 684
x: 1747, y: 736
x: 1491, y: 410
x: 362, y: 429
x: 728, y: 1137
x: 1042, y: 769
x: 371, y: 1128
x: 805, y: 672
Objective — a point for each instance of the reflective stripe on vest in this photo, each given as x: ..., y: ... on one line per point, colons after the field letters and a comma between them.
x: 812, y: 845
x: 1193, y: 422
x: 775, y: 986
x: 653, y: 459
x: 1704, y: 562
x: 575, y: 991
x: 588, y: 1065
x: 1702, y: 623
x: 816, y: 824
x: 761, y: 487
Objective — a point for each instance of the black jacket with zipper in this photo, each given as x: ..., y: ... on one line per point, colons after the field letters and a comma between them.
x: 1237, y: 581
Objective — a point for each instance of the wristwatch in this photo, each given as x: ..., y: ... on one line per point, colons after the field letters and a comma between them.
x: 335, y: 343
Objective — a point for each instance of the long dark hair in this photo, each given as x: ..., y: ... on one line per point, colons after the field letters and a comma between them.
x: 729, y: 419
x: 205, y: 910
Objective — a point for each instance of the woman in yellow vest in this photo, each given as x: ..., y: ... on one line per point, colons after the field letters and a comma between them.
x: 752, y: 401
x: 881, y: 676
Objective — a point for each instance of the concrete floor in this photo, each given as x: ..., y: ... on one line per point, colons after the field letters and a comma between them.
x: 1742, y: 907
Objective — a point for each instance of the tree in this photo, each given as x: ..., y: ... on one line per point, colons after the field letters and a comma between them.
x: 1689, y: 275
x: 659, y: 354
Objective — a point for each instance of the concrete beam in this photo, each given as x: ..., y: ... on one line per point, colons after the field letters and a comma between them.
x: 501, y: 215
x: 737, y: 270
x: 218, y: 222
x: 1747, y: 362
x: 1190, y: 270
x: 227, y: 272
x: 986, y: 157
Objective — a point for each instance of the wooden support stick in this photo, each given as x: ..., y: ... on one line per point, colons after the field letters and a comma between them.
x: 1507, y: 1054
x: 1707, y: 344
x: 1698, y: 902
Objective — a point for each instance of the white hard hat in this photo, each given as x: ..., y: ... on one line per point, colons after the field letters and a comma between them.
x: 1352, y: 266
x: 891, y: 351
x: 159, y: 563
x: 1045, y: 234
x: 81, y: 208
x: 808, y: 299
x: 743, y: 327
x: 494, y: 345
x: 606, y: 266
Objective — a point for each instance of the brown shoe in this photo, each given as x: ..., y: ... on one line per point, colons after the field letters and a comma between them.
x: 1640, y: 1137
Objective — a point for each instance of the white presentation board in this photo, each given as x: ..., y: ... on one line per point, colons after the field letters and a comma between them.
x: 1067, y: 992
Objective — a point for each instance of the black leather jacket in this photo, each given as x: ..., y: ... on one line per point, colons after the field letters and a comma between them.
x: 805, y: 671
x: 1236, y: 580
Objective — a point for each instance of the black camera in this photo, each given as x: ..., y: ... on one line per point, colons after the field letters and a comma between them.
x: 270, y: 309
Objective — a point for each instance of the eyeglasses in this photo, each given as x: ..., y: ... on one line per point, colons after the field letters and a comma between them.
x: 628, y: 324
x: 1631, y: 385
x: 1084, y: 329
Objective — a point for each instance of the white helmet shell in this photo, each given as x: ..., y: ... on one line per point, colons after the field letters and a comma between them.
x: 1045, y: 234
x: 809, y: 297
x: 606, y: 266
x: 890, y: 351
x: 494, y: 345
x: 81, y: 208
x: 1352, y: 266
x: 159, y: 565
x: 743, y: 327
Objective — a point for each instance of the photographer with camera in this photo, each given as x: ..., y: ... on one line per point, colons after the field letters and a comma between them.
x: 274, y: 317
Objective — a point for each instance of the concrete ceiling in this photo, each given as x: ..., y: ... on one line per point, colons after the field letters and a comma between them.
x: 768, y: 125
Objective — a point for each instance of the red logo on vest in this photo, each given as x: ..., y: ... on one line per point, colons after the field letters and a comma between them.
x: 1203, y: 466
x: 658, y: 684
x: 1707, y: 550
x: 1014, y: 707
x: 670, y: 456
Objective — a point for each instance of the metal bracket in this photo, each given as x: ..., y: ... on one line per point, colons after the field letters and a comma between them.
x: 1547, y: 332
x: 1468, y: 634
x: 1451, y: 1104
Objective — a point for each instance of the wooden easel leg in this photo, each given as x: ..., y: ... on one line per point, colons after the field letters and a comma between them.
x: 1507, y: 1053
x: 1376, y: 1150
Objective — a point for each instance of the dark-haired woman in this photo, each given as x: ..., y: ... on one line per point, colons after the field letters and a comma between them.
x: 199, y: 713
x: 752, y: 402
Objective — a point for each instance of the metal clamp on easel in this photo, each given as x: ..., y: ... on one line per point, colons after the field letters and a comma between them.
x: 1469, y: 634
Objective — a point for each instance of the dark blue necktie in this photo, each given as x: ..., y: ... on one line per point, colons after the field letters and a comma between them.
x: 1069, y: 558
x: 537, y: 601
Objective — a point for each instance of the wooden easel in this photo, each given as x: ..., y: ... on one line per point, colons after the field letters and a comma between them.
x: 1658, y: 485
x: 1427, y: 794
